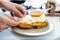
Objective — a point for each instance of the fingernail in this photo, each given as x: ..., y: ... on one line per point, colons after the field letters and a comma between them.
x: 16, y: 20
x: 21, y: 16
x: 16, y: 24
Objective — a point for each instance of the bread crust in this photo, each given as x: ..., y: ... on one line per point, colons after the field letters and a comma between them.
x: 37, y: 24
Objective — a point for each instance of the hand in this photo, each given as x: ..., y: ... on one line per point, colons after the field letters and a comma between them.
x: 7, y: 21
x: 17, y: 9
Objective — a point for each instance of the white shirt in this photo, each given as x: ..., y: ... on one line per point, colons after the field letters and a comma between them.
x: 35, y: 3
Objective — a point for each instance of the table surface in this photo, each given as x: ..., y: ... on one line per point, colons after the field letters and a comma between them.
x: 8, y: 34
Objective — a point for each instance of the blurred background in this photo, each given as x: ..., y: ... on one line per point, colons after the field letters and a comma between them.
x: 38, y: 4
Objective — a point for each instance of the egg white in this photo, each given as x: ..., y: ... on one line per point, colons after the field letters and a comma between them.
x: 28, y: 19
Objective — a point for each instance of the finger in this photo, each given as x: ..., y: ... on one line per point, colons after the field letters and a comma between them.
x: 3, y: 26
x: 12, y: 23
x: 18, y: 14
x: 9, y: 22
x: 21, y: 9
x: 13, y: 9
x: 12, y: 18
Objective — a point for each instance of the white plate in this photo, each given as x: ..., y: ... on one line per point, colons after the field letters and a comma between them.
x: 34, y: 32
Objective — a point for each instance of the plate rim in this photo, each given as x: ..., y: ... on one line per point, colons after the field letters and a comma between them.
x: 37, y: 34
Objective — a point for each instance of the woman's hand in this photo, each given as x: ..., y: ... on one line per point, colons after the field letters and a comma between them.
x: 7, y: 21
x: 17, y: 9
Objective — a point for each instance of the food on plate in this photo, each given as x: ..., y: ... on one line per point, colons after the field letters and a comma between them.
x: 36, y: 13
x: 35, y: 19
